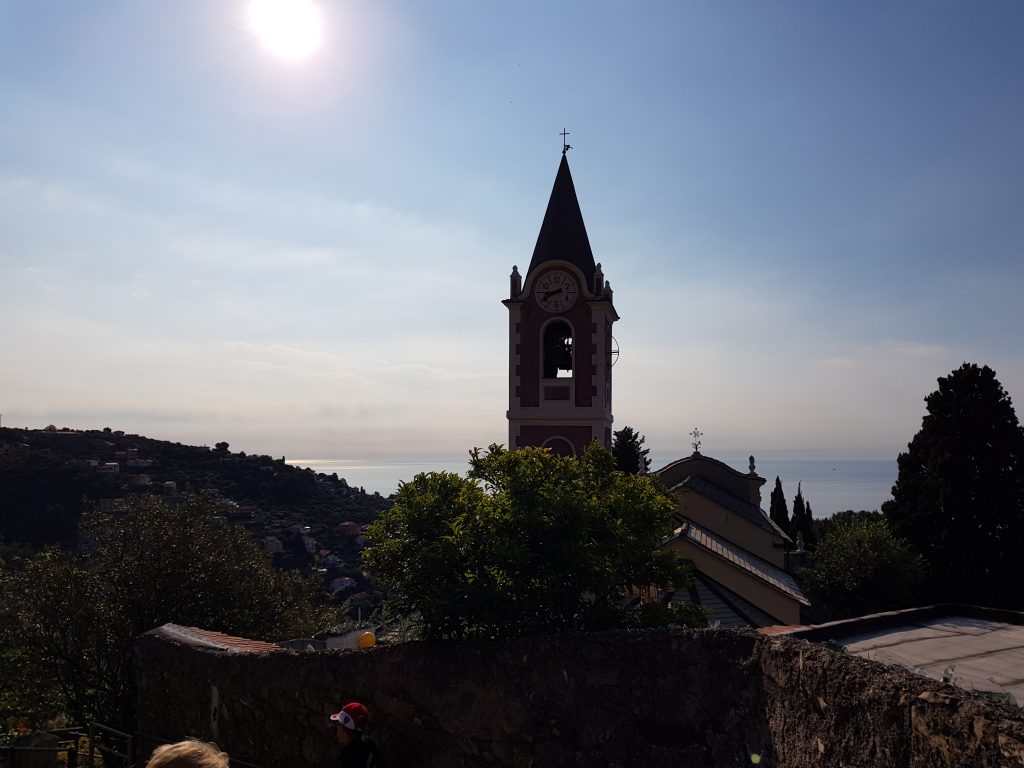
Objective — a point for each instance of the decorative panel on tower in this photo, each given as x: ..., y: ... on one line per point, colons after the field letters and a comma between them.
x: 560, y: 335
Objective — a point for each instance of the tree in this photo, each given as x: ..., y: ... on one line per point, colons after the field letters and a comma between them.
x: 630, y: 455
x: 73, y: 619
x: 959, y: 495
x: 528, y: 543
x: 779, y: 509
x: 860, y: 567
x: 825, y: 525
x: 42, y: 495
x: 801, y: 522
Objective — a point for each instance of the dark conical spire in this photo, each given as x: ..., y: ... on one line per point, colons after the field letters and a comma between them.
x: 563, y: 234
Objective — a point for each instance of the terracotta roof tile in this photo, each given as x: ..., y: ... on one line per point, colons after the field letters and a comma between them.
x: 204, y: 638
x: 781, y: 629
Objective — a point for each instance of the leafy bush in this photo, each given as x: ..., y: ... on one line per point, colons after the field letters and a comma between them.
x: 529, y: 542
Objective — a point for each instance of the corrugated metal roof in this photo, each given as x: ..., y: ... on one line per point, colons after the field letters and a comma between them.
x: 765, y: 571
x: 724, y: 607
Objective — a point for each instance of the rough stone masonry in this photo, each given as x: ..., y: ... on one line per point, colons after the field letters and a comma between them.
x: 652, y: 698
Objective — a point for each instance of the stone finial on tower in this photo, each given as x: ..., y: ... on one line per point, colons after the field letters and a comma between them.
x: 753, y: 466
x: 598, y: 279
x: 515, y: 282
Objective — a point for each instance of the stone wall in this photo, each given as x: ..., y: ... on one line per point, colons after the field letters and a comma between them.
x: 656, y: 698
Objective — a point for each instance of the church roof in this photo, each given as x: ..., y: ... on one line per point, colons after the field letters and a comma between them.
x: 749, y: 512
x: 724, y: 607
x: 739, y: 557
x: 563, y: 234
x: 695, y: 458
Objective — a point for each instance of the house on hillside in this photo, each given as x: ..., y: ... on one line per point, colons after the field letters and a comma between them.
x: 738, y: 556
x: 273, y: 544
x: 349, y: 528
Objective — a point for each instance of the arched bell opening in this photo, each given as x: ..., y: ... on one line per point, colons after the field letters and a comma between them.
x: 557, y: 350
x: 559, y: 446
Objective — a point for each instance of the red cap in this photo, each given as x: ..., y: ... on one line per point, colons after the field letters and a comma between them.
x: 352, y: 716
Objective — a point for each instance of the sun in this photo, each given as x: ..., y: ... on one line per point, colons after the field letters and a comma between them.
x: 291, y: 29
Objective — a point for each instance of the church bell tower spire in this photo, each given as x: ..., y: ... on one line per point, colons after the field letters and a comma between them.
x: 560, y: 334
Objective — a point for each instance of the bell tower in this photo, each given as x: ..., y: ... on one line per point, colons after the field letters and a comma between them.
x: 560, y: 335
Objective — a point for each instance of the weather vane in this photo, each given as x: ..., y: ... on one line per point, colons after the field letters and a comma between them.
x: 696, y: 435
x: 565, y: 147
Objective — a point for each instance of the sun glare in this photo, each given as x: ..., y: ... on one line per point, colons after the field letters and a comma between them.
x: 291, y: 29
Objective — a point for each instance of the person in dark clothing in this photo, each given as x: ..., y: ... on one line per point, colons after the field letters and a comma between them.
x: 357, y: 751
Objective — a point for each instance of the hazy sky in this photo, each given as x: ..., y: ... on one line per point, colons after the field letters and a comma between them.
x: 808, y: 212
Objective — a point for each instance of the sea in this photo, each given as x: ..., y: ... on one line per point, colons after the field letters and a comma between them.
x: 829, y: 486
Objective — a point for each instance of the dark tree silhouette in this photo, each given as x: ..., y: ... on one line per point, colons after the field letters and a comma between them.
x: 630, y: 455
x: 801, y: 521
x: 959, y: 495
x: 779, y: 509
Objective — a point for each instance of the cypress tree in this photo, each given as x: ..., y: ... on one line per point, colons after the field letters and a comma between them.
x: 779, y: 509
x: 810, y: 529
x: 801, y: 520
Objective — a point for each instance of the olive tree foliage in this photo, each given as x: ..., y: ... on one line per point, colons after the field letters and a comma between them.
x: 959, y: 495
x: 72, y: 618
x: 860, y: 567
x: 527, y: 543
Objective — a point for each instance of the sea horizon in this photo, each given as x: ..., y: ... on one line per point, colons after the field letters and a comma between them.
x: 828, y: 485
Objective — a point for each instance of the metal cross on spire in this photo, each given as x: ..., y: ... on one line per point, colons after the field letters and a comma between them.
x: 565, y: 147
x: 697, y: 435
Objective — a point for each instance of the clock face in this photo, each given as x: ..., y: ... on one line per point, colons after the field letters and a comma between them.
x: 556, y: 291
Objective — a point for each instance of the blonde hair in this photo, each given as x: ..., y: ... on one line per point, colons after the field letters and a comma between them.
x: 188, y: 754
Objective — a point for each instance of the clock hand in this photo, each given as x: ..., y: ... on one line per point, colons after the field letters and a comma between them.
x: 548, y: 294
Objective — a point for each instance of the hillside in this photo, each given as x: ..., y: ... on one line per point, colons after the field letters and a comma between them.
x: 309, y: 521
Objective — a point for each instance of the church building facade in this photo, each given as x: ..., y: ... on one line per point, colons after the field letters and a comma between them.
x: 560, y: 335
x: 737, y: 555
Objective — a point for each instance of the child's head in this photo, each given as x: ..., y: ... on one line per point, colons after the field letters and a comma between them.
x: 350, y: 721
x: 188, y: 754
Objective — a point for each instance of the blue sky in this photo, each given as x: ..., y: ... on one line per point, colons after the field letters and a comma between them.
x: 808, y: 212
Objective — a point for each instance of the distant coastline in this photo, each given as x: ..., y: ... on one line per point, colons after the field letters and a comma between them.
x: 829, y: 485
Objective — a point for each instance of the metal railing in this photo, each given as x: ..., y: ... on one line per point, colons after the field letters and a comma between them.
x: 68, y: 743
x: 115, y: 748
